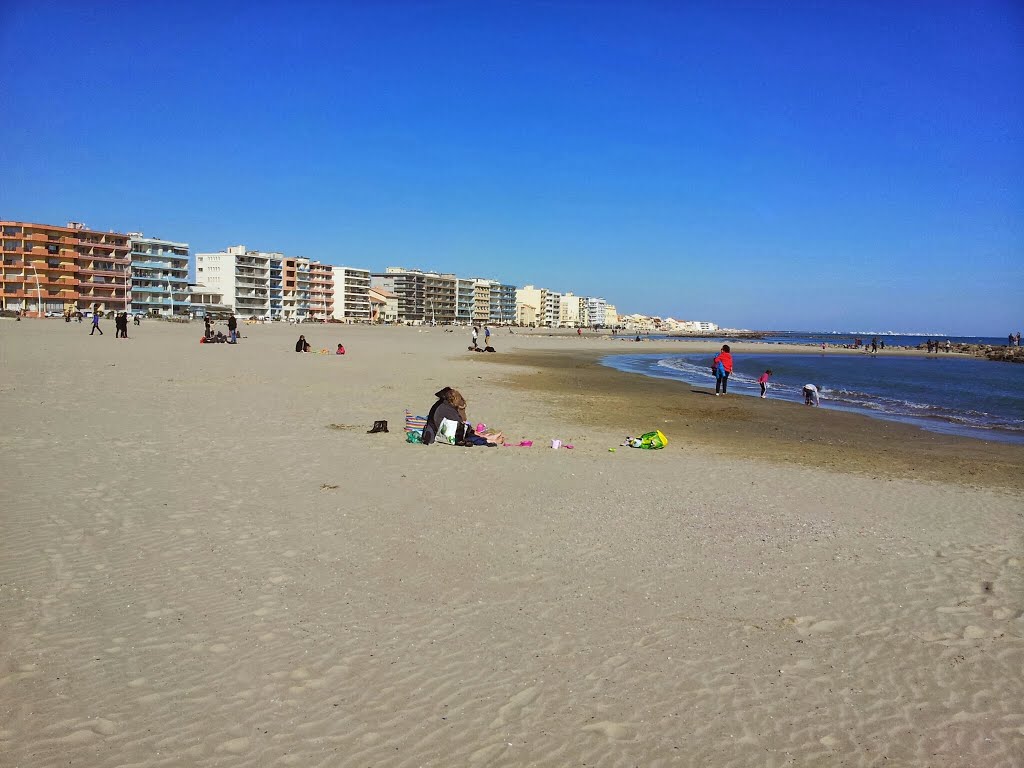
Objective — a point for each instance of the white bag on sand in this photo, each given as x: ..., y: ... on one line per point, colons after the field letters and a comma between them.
x: 446, y: 433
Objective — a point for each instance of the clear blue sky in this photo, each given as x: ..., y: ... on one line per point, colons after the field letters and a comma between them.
x: 770, y: 165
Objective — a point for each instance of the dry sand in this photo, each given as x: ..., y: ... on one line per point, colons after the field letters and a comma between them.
x: 205, y: 560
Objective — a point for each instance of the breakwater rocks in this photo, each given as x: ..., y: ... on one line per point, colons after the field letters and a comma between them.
x: 1000, y: 354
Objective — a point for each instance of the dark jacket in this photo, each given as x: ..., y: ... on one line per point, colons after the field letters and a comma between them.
x: 442, y: 409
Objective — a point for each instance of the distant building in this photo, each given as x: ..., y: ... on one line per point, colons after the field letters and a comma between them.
x: 464, y: 294
x: 206, y: 303
x: 573, y: 311
x: 48, y: 268
x: 409, y: 286
x: 595, y: 311
x: 383, y: 305
x: 611, y: 316
x: 159, y: 276
x: 242, y: 277
x: 536, y: 299
x: 321, y: 290
x: 352, y: 295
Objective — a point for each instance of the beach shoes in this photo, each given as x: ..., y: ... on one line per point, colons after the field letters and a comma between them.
x: 378, y: 426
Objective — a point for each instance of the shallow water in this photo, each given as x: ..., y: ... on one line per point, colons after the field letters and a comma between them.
x: 965, y: 396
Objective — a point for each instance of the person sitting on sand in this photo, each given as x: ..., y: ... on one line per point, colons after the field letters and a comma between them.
x: 341, y: 350
x: 302, y: 345
x: 450, y: 405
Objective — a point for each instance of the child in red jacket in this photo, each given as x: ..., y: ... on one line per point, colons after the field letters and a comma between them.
x: 721, y: 366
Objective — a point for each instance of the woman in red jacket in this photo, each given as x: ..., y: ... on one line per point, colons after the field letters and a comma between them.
x: 721, y: 366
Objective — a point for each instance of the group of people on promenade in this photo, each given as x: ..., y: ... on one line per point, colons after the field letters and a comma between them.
x: 722, y: 367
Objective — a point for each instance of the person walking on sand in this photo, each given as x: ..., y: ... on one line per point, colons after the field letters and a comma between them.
x: 96, y: 321
x: 476, y: 335
x: 232, y: 329
x: 487, y: 336
x: 811, y: 395
x: 721, y: 366
x: 763, y: 381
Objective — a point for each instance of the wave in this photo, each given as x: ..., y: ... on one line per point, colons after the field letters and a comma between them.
x: 699, y: 374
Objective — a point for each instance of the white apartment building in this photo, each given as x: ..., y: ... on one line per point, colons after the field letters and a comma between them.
x: 242, y: 277
x: 573, y: 311
x: 552, y: 309
x: 596, y: 311
x: 351, y: 294
x: 611, y: 315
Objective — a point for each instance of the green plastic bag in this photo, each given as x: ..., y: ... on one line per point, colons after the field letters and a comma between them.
x: 653, y: 440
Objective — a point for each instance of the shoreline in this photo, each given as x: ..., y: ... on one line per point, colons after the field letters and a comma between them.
x: 746, y: 427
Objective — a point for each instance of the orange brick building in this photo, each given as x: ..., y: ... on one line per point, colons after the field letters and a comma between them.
x: 47, y: 268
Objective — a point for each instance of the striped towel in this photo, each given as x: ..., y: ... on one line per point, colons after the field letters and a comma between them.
x: 414, y: 423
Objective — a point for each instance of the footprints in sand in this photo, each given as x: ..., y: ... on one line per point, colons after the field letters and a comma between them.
x: 613, y: 731
x: 809, y: 625
x: 515, y: 706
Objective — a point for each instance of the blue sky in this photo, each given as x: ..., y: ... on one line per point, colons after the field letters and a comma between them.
x: 769, y: 165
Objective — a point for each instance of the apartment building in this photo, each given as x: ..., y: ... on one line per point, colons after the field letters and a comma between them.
x: 321, y: 290
x: 463, y: 301
x: 383, y: 306
x: 481, y: 301
x: 159, y: 276
x: 439, y: 298
x: 48, y: 268
x: 552, y: 309
x: 611, y: 316
x: 241, y: 276
x: 503, y: 303
x: 595, y: 311
x: 536, y: 300
x: 352, y: 295
x: 297, y: 287
x: 573, y: 311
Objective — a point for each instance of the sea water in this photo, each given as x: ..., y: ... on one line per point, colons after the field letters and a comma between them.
x: 965, y: 396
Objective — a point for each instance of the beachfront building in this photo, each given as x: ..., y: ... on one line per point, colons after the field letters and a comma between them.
x: 595, y: 311
x: 503, y: 303
x: 409, y: 285
x: 204, y: 302
x: 691, y: 326
x: 552, y: 309
x: 526, y: 315
x: 383, y: 305
x: 534, y: 298
x: 439, y: 298
x: 296, y: 285
x: 241, y: 276
x: 159, y: 276
x: 321, y: 291
x: 352, y: 295
x: 49, y: 268
x: 611, y: 316
x: 481, y: 301
x: 573, y: 311
x: 464, y: 301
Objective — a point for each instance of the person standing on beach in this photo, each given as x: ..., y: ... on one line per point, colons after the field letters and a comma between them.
x: 96, y: 321
x: 811, y: 395
x: 476, y: 335
x: 763, y: 381
x: 487, y: 336
x: 207, y: 332
x: 721, y: 366
x: 874, y: 346
x: 232, y: 329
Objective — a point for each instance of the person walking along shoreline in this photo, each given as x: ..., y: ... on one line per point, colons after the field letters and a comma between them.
x: 721, y: 366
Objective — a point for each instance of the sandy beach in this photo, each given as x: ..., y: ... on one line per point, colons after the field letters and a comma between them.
x: 205, y: 560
